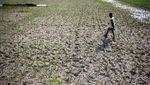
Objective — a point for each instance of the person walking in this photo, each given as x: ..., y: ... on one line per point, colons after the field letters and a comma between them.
x: 112, y: 27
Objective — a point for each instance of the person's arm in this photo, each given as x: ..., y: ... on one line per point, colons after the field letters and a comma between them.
x: 112, y: 23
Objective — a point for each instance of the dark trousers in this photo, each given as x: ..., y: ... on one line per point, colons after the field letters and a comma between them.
x: 110, y: 30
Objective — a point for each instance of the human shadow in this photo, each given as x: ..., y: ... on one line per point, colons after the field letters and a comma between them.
x: 104, y: 45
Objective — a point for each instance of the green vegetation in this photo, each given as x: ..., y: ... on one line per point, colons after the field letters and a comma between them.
x: 139, y: 3
x: 55, y: 80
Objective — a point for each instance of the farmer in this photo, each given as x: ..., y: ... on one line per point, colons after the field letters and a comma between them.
x: 112, y: 27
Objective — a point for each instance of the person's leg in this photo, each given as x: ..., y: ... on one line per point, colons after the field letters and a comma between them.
x: 113, y: 34
x: 106, y: 34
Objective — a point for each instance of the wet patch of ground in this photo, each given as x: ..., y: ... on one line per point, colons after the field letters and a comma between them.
x: 60, y: 44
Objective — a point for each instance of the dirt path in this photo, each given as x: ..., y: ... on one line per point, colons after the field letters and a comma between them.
x: 62, y: 42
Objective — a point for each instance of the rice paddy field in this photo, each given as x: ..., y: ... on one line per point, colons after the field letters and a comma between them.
x: 62, y: 44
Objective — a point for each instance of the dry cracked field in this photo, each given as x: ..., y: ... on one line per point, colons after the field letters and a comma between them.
x: 62, y: 44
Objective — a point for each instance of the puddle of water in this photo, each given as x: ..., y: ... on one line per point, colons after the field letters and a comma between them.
x: 42, y: 5
x: 137, y: 13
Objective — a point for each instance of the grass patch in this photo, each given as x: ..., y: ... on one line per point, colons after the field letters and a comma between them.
x: 139, y: 3
x: 19, y: 29
x: 55, y: 7
x: 55, y: 80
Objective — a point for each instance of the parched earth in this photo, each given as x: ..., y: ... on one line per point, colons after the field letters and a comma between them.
x: 63, y: 44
